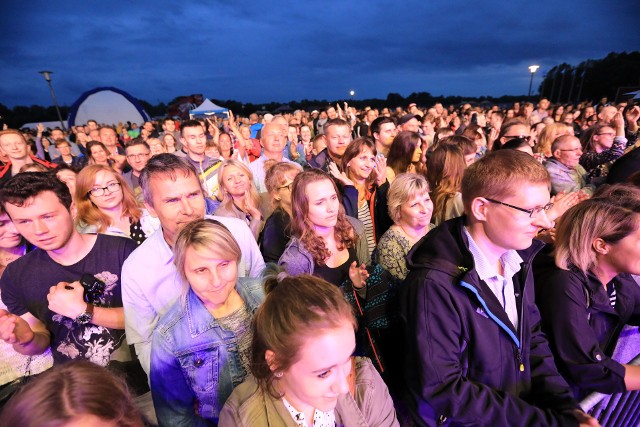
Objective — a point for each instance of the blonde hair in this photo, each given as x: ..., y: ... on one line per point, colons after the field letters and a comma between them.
x: 88, y: 212
x: 548, y: 135
x: 402, y: 189
x: 204, y: 236
x: 227, y: 200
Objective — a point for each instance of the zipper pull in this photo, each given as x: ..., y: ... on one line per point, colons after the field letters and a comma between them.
x: 519, y: 360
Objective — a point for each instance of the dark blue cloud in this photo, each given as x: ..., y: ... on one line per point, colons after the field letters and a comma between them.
x: 284, y: 50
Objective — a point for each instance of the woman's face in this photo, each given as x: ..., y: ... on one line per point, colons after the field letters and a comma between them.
x: 361, y: 166
x: 157, y: 147
x: 320, y: 376
x: 68, y: 177
x: 169, y: 140
x: 225, y: 143
x: 416, y: 154
x: 416, y: 212
x: 604, y: 138
x: 245, y: 132
x: 9, y: 236
x: 109, y: 199
x: 99, y: 155
x: 235, y: 181
x: 283, y: 193
x: 323, y: 203
x: 211, y: 277
x: 624, y: 256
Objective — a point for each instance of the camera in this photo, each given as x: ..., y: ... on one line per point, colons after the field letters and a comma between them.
x: 93, y: 288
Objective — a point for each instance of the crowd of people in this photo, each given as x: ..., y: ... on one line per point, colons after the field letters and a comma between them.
x: 414, y: 266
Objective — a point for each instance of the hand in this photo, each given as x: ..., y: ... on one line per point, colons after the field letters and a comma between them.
x: 358, y: 275
x: 562, y: 203
x: 40, y: 128
x: 381, y: 170
x: 632, y: 116
x: 293, y: 149
x: 14, y: 329
x: 67, y: 299
x: 493, y: 134
x: 340, y: 176
x: 251, y: 208
x: 232, y: 120
x: 585, y: 419
x: 547, y: 236
x: 618, y: 122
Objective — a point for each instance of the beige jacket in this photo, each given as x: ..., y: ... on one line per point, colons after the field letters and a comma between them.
x: 249, y: 406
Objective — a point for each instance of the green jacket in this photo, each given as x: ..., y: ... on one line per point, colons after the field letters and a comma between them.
x: 371, y: 404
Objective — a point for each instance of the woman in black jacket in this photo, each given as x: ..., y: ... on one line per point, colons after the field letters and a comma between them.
x: 586, y: 294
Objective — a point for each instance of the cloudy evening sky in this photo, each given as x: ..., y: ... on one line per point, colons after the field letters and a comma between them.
x: 255, y: 51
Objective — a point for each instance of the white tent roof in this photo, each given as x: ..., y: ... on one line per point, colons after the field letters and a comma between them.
x: 106, y: 105
x: 207, y: 108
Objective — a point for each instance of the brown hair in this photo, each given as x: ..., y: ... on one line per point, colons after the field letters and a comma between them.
x: 586, y: 137
x: 71, y: 390
x: 611, y: 215
x: 466, y: 144
x: 500, y: 174
x: 276, y: 176
x: 295, y: 309
x: 353, y: 150
x: 303, y: 229
x: 88, y: 212
x: 445, y: 169
x: 401, y: 152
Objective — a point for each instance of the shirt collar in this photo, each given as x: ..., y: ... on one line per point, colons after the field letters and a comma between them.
x: 510, y: 260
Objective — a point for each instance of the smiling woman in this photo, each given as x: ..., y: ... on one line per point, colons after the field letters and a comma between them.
x: 302, y: 364
x: 201, y: 346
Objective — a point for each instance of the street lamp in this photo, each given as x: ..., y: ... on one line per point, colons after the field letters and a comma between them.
x: 533, y: 69
x: 47, y: 77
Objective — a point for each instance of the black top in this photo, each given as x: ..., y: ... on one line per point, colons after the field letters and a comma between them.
x: 275, y: 235
x: 336, y: 275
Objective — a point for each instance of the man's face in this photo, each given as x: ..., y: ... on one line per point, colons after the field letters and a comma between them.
x: 194, y: 139
x: 293, y: 134
x: 272, y: 139
x: 148, y: 126
x: 92, y: 125
x: 439, y: 108
x: 283, y: 123
x: 56, y: 134
x: 43, y: 220
x: 506, y: 228
x: 137, y: 157
x: 108, y: 137
x: 64, y: 149
x: 569, y: 152
x: 371, y: 116
x: 412, y: 125
x: 386, y: 134
x: 169, y: 126
x: 331, y: 113
x: 338, y: 139
x: 607, y: 113
x: 543, y: 104
x: 253, y: 118
x: 14, y: 146
x: 305, y: 133
x: 175, y: 202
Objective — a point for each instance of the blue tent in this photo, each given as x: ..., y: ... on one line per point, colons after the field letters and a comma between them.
x: 106, y: 105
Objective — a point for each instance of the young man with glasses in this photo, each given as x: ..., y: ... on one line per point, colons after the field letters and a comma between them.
x: 138, y: 153
x: 476, y: 355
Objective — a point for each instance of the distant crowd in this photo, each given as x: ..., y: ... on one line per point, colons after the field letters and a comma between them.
x: 415, y: 266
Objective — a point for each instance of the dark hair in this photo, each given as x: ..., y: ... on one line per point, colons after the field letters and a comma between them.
x: 166, y: 164
x: 514, y: 144
x: 586, y: 137
x: 465, y: 143
x: 379, y: 121
x: 190, y: 124
x: 295, y: 308
x: 353, y: 150
x: 137, y: 141
x: 401, y: 151
x: 70, y: 390
x: 26, y: 185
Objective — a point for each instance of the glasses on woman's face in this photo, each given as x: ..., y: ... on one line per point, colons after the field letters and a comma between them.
x: 288, y: 186
x: 99, y: 191
x: 525, y: 138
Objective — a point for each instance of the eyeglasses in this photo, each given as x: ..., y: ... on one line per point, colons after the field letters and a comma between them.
x: 571, y: 149
x: 606, y: 133
x: 288, y: 186
x: 99, y: 191
x: 137, y: 156
x: 525, y: 138
x: 532, y: 212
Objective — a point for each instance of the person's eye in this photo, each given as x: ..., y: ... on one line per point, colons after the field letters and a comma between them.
x: 199, y: 270
x: 174, y: 200
x: 334, y: 197
x: 224, y: 264
x: 324, y: 374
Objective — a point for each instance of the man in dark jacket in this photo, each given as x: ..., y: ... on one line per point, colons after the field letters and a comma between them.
x: 476, y: 355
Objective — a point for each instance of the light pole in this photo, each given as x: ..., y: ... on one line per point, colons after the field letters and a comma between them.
x: 47, y: 77
x: 533, y: 69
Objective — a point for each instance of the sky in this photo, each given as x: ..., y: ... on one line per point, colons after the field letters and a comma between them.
x: 256, y: 51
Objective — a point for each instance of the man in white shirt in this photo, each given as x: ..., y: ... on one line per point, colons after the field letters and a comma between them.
x: 273, y: 141
x: 150, y: 282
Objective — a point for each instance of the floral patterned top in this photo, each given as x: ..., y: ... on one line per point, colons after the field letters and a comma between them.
x: 393, y: 248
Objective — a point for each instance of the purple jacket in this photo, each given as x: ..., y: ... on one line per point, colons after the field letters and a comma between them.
x: 466, y: 364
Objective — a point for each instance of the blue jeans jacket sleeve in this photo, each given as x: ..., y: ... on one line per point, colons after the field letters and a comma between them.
x: 173, y: 399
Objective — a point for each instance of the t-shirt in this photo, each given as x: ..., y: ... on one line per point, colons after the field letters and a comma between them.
x: 26, y: 282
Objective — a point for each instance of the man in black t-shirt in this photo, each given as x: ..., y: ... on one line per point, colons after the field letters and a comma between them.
x: 42, y: 289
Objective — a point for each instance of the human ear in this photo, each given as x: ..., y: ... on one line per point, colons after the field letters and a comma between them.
x: 270, y: 357
x: 600, y: 246
x: 478, y: 209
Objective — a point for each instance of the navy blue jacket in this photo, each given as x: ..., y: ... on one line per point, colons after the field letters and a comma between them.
x: 466, y: 363
x: 582, y: 327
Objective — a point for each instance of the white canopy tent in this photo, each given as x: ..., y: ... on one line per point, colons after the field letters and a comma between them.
x: 208, y: 108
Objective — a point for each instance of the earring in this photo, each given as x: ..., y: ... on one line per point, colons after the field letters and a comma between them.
x: 278, y: 374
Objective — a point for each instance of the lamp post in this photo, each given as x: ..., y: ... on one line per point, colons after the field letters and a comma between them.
x: 533, y: 69
x: 47, y: 77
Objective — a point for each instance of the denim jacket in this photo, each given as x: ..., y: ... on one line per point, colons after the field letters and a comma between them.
x: 194, y: 360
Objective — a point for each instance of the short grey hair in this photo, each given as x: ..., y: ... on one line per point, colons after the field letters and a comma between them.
x: 168, y: 165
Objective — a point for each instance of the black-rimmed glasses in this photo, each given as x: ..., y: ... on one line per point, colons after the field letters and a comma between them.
x: 288, y: 186
x: 99, y: 191
x: 531, y: 212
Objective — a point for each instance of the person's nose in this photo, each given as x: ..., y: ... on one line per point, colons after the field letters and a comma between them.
x: 341, y: 383
x: 542, y: 220
x: 40, y: 227
x: 185, y: 206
